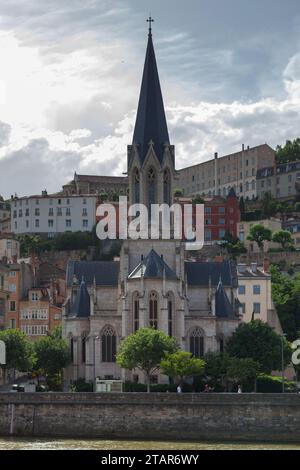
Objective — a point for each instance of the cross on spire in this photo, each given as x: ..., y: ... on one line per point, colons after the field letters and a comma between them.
x: 150, y: 20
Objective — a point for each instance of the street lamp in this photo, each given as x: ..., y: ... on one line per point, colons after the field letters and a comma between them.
x: 282, y: 362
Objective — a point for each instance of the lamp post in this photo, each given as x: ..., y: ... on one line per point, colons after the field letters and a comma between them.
x: 282, y: 361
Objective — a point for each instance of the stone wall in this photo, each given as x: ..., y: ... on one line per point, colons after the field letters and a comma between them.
x: 256, y: 417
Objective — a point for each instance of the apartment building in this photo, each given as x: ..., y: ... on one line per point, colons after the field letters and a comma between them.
x: 4, y: 293
x: 97, y: 184
x: 49, y: 215
x: 9, y: 248
x: 255, y: 295
x: 281, y: 181
x: 38, y: 315
x: 217, y: 176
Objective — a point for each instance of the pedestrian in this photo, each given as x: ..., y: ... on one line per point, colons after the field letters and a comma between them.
x: 239, y: 389
x: 179, y: 389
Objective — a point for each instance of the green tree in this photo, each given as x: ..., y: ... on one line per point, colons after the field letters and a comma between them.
x: 286, y: 297
x: 197, y: 199
x: 242, y: 370
x: 283, y: 237
x: 258, y: 341
x: 52, y: 355
x: 19, y: 352
x: 29, y: 244
x: 216, y: 366
x: 144, y: 350
x: 178, y: 192
x: 289, y: 152
x: 269, y: 205
x: 258, y: 234
x: 181, y: 365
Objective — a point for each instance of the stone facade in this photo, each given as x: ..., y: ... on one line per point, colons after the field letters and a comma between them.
x: 217, y: 176
x: 152, y: 285
x: 244, y: 417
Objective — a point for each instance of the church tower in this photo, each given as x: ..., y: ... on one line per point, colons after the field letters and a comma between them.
x: 150, y: 158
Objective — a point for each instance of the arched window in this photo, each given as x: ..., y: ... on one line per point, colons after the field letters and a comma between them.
x: 83, y: 349
x: 221, y: 344
x: 72, y: 349
x: 136, y: 312
x: 108, y: 341
x: 170, y: 315
x: 153, y: 315
x: 151, y: 187
x: 167, y: 187
x: 136, y: 186
x: 197, y: 343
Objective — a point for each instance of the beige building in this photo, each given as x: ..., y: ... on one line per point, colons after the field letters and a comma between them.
x: 255, y: 296
x: 9, y: 248
x: 244, y: 230
x: 281, y: 181
x: 237, y: 170
x: 4, y: 293
x: 94, y: 184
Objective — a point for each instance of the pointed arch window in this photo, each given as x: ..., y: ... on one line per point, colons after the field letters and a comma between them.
x: 136, y: 312
x: 151, y: 176
x: 108, y: 341
x: 153, y: 311
x: 167, y: 187
x: 136, y: 186
x: 170, y: 317
x: 197, y: 343
x: 83, y: 350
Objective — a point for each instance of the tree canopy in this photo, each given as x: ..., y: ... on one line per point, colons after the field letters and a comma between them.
x: 144, y: 350
x: 19, y: 351
x: 258, y: 234
x: 181, y: 364
x: 258, y: 341
x: 289, y: 152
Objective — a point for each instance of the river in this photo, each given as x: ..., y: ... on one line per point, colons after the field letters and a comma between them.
x: 99, y: 444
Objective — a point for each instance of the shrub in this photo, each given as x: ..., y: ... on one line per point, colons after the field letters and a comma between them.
x: 273, y: 384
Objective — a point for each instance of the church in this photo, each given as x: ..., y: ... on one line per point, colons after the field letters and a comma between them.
x: 153, y: 284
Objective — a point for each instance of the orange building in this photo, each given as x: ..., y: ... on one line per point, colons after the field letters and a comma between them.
x: 38, y: 316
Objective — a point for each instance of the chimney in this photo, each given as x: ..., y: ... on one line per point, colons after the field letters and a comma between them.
x: 241, y: 267
x: 248, y: 147
x: 266, y: 265
x: 216, y: 154
x: 243, y: 147
x: 254, y: 267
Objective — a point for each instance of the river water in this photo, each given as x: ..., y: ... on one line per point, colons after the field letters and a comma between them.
x: 98, y: 444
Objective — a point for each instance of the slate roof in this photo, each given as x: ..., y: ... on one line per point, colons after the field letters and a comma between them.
x: 106, y: 273
x: 152, y: 266
x: 200, y: 273
x: 224, y: 309
x: 151, y: 124
x: 81, y: 307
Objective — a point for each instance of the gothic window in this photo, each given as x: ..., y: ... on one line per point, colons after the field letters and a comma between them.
x: 167, y: 187
x: 83, y: 350
x: 108, y: 341
x: 136, y: 186
x: 197, y: 343
x: 153, y: 319
x: 72, y: 349
x: 170, y: 318
x: 136, y: 312
x: 151, y: 187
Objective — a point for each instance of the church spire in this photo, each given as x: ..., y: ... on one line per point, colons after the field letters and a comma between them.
x: 151, y: 125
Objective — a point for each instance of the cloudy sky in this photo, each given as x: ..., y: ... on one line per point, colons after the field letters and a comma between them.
x: 70, y: 75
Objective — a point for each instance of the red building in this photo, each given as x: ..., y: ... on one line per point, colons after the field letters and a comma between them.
x: 221, y: 215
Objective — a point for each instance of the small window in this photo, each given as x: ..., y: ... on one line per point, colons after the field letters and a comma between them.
x: 256, y: 307
x: 221, y: 210
x: 242, y: 290
x: 256, y: 290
